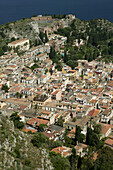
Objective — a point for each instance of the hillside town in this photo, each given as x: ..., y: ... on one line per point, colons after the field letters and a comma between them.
x: 54, y: 100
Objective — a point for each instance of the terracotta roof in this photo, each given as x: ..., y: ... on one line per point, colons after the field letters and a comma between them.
x: 22, y: 107
x: 93, y: 101
x: 94, y: 112
x: 80, y: 145
x: 46, y: 112
x: 105, y: 128
x: 54, y: 93
x: 106, y: 112
x: 13, y: 66
x: 37, y: 121
x: 18, y: 41
x: 27, y: 130
x: 48, y: 135
x: 62, y: 150
x: 44, y: 76
x: 109, y: 141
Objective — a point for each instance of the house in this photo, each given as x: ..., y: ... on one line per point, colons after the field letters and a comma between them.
x: 94, y: 112
x: 22, y: 44
x: 18, y: 102
x: 27, y: 91
x: 29, y: 81
x: 80, y: 149
x: 56, y: 95
x: 66, y: 106
x: 14, y: 89
x: 94, y: 102
x: 35, y: 122
x: 106, y: 115
x: 22, y: 118
x: 44, y: 79
x: 66, y: 116
x: 47, y: 115
x: 70, y: 16
x: 81, y: 99
x: 106, y: 130
x: 50, y: 106
x: 41, y: 100
x: 64, y: 151
x: 49, y: 135
x: 42, y: 18
x: 71, y: 134
x: 29, y: 129
x: 109, y: 142
x: 56, y: 129
x: 86, y: 109
x: 41, y: 57
x: 82, y: 122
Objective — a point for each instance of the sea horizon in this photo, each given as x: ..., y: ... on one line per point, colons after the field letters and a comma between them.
x: 83, y: 9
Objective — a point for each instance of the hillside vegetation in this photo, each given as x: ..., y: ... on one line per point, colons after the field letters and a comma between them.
x: 24, y: 28
x: 17, y: 151
x: 97, y: 39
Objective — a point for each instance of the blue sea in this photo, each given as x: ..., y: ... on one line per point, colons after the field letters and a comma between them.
x: 12, y: 10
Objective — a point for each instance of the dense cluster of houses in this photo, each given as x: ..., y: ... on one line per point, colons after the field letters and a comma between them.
x: 40, y: 97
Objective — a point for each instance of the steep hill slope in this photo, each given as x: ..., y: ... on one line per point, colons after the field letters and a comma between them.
x: 24, y: 28
x: 16, y: 150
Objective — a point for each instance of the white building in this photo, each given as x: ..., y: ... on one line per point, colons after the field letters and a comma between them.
x: 22, y: 44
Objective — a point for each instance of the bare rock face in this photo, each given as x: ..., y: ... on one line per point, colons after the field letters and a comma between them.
x: 24, y: 28
x: 17, y: 151
x: 34, y: 24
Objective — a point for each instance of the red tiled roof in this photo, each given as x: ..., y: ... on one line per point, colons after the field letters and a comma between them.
x: 43, y: 76
x: 37, y: 121
x: 18, y: 41
x: 62, y: 150
x: 48, y: 135
x: 54, y: 93
x: 109, y: 141
x: 105, y: 128
x: 27, y: 130
x: 94, y: 112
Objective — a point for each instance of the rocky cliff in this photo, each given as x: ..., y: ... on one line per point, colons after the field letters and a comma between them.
x: 17, y: 151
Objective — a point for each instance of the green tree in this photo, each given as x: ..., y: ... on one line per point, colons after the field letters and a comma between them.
x: 74, y: 119
x: 18, y: 95
x: 36, y: 42
x: 52, y: 53
x: 5, y: 88
x: 59, y: 163
x: 59, y: 66
x: 79, y: 137
x: 41, y: 35
x: 39, y: 140
x: 46, y: 38
x: 51, y: 71
x: 5, y: 48
x: 65, y: 57
x: 41, y: 127
x: 60, y: 121
x: 54, y: 144
x: 16, y: 120
x: 104, y: 160
x: 1, y: 52
x: 97, y: 128
x: 91, y: 138
x: 72, y: 63
x: 13, y: 39
x: 73, y: 160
